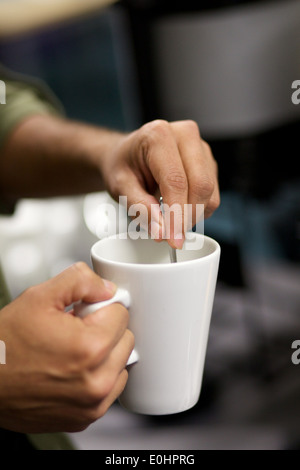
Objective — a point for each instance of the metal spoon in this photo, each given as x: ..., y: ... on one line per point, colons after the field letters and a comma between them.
x: 172, y: 251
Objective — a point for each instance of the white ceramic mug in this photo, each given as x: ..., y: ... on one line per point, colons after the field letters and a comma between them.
x: 170, y: 308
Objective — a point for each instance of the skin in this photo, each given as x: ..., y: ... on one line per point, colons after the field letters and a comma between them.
x: 63, y: 373
x: 48, y: 156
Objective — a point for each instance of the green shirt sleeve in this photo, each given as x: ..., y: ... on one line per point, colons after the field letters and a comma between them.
x: 21, y: 102
x: 24, y: 97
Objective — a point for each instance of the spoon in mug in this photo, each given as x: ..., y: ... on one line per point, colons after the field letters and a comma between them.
x: 172, y: 251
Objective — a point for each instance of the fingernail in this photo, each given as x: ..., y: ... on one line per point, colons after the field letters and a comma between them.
x: 110, y: 286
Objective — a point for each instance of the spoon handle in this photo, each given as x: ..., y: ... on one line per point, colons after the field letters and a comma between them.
x: 172, y: 251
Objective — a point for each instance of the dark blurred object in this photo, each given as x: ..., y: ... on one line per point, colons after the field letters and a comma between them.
x: 14, y: 441
x: 231, y: 256
x: 165, y: 6
x: 259, y: 165
x: 77, y: 61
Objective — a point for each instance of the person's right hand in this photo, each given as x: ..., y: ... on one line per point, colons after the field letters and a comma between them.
x: 62, y: 373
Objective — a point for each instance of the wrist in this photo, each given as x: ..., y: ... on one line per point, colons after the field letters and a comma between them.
x: 99, y: 144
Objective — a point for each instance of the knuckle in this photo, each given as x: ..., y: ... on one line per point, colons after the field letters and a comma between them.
x: 195, y: 188
x: 213, y: 205
x: 177, y: 181
x: 32, y: 292
x: 158, y: 126
x: 192, y: 126
x: 207, y: 147
x: 120, y: 180
x: 85, y: 350
x: 102, y: 406
x: 35, y: 295
x: 81, y: 269
x: 93, y: 393
x: 203, y: 187
x: 155, y: 131
x: 98, y: 390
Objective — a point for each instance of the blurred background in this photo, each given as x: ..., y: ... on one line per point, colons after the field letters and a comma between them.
x: 229, y: 65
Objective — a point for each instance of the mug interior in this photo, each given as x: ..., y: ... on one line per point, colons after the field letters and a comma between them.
x: 147, y: 251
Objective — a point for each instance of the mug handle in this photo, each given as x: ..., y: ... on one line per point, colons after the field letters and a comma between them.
x: 122, y: 296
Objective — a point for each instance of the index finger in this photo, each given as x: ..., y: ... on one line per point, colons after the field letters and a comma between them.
x: 78, y: 282
x: 165, y: 163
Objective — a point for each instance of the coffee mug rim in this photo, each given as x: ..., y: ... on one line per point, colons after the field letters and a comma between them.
x: 149, y: 266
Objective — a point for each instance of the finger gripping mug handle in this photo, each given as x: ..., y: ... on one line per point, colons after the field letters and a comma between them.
x: 122, y: 296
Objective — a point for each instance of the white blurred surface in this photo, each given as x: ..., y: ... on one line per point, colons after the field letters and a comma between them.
x: 42, y: 238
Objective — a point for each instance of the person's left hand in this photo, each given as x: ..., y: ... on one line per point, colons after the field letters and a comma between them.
x: 169, y: 157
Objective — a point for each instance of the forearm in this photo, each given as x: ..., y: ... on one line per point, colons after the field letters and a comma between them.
x: 49, y: 156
